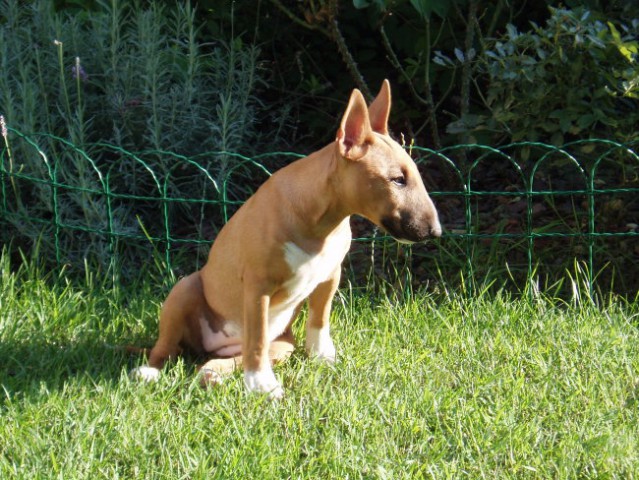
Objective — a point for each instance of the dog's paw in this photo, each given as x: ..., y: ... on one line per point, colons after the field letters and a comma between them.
x: 264, y: 381
x: 319, y: 344
x: 145, y: 374
x: 209, y: 377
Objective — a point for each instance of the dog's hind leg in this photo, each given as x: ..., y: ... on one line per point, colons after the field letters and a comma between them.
x: 182, y: 304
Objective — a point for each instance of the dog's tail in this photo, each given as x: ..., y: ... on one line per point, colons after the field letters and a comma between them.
x: 133, y: 350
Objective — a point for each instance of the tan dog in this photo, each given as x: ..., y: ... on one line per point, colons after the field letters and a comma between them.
x: 286, y: 244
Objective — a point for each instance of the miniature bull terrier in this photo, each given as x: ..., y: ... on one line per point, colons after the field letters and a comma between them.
x: 286, y: 245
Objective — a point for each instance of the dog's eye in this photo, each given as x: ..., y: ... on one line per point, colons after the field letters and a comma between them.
x: 399, y: 180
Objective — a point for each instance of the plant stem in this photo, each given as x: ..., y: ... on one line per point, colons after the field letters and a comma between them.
x: 63, y: 83
x: 467, y: 66
x: 349, y: 60
x: 428, y: 101
x: 335, y: 35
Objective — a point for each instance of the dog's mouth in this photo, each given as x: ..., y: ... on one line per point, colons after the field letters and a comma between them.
x: 407, y: 231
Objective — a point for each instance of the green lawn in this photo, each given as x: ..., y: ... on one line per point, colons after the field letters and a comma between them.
x: 436, y: 387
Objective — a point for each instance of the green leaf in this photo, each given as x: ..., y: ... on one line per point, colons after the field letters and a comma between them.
x: 585, y: 121
x: 426, y: 7
x: 557, y: 139
x: 465, y: 124
x: 361, y: 4
x: 615, y: 33
x: 379, y: 4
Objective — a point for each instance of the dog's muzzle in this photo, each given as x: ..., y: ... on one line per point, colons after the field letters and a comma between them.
x: 407, y: 230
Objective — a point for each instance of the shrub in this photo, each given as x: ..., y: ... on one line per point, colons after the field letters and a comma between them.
x: 575, y: 77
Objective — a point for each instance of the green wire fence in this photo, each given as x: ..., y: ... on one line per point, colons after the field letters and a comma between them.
x: 519, y: 213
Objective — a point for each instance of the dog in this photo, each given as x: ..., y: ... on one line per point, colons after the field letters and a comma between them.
x: 285, y: 245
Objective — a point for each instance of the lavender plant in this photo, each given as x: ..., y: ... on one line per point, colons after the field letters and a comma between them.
x: 129, y: 76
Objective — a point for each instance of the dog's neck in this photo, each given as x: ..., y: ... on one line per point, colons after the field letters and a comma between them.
x: 317, y: 202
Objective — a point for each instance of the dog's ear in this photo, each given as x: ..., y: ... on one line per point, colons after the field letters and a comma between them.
x: 355, y: 129
x: 379, y: 110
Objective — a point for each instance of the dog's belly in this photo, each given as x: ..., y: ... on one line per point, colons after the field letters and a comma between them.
x: 308, y: 271
x: 225, y: 343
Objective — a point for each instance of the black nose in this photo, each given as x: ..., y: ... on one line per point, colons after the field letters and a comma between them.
x: 406, y: 229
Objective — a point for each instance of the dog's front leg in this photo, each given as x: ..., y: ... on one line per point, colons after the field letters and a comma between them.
x: 319, y: 343
x: 258, y: 373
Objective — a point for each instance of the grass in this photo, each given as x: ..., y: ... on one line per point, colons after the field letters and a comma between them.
x: 438, y: 386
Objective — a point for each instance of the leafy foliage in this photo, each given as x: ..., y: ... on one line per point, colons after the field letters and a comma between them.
x: 139, y: 77
x: 575, y: 77
x: 449, y: 61
x: 128, y: 74
x: 236, y: 75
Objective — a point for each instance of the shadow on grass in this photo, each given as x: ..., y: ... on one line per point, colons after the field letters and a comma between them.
x: 33, y: 367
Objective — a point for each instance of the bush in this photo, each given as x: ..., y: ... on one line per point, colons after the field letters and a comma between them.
x: 575, y: 77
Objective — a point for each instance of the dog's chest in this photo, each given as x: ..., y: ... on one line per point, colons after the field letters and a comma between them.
x: 308, y: 270
x: 311, y: 269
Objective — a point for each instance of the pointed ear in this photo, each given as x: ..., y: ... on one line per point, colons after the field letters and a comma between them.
x: 380, y: 109
x: 355, y: 129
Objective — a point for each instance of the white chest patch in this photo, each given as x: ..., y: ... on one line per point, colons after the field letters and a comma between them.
x: 309, y: 270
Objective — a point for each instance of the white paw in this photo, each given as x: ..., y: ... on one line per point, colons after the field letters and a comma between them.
x: 145, y: 374
x: 209, y: 377
x: 264, y: 381
x: 319, y: 344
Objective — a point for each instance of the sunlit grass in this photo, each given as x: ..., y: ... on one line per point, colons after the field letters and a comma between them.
x: 432, y: 387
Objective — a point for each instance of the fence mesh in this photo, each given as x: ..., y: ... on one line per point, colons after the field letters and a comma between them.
x: 520, y: 212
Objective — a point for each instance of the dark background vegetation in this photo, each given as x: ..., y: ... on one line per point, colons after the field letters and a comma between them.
x: 258, y: 76
x: 462, y: 70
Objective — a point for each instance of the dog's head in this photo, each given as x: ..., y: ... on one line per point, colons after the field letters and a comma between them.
x: 380, y: 181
